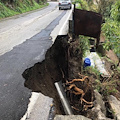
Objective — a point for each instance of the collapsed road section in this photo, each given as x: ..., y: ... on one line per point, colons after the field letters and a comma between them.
x: 63, y: 61
x: 63, y: 67
x: 42, y: 76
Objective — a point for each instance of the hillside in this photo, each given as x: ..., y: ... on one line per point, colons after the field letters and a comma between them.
x: 13, y: 7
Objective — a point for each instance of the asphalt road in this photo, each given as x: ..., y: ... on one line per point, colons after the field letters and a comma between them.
x: 24, y: 41
x: 16, y: 30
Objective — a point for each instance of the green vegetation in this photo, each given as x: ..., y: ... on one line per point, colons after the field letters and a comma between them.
x: 118, y: 69
x: 92, y: 71
x: 104, y: 7
x: 85, y: 5
x: 8, y: 8
x: 111, y: 29
x: 82, y: 4
x: 106, y: 87
x: 103, y: 86
x: 84, y: 43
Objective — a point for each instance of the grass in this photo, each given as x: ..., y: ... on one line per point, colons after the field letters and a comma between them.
x: 118, y: 69
x: 7, y: 10
x: 93, y: 70
x: 106, y: 87
x: 84, y: 44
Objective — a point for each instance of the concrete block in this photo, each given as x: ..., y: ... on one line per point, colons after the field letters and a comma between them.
x: 70, y: 117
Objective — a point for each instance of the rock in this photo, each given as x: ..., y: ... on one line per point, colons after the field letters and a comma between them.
x: 100, y: 115
x: 99, y: 101
x: 70, y: 117
x: 111, y: 55
x: 115, y: 106
x: 98, y: 112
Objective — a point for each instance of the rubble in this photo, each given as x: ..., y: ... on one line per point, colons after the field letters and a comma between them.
x: 70, y: 117
x: 115, y: 106
x: 98, y: 112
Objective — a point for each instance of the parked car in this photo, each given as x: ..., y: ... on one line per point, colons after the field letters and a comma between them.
x: 65, y: 4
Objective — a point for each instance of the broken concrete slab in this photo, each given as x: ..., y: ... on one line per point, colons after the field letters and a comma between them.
x: 70, y: 117
x: 41, y: 108
x: 115, y: 106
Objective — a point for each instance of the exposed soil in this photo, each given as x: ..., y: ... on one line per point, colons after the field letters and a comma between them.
x: 42, y: 76
x: 63, y: 61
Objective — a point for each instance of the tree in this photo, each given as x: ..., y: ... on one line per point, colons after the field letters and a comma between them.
x: 115, y: 11
x: 112, y: 29
x: 104, y: 7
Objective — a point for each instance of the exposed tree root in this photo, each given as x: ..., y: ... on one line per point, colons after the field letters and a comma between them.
x: 73, y: 89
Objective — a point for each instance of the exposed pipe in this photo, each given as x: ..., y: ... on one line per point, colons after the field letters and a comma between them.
x: 63, y: 98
